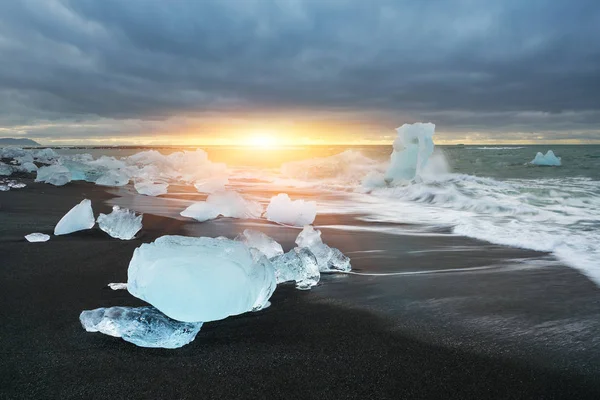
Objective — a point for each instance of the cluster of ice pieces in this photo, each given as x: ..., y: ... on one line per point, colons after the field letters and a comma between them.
x: 283, y: 210
x: 8, y: 184
x: 549, y: 159
x: 227, y: 204
x: 191, y: 280
x: 142, y: 326
x: 120, y: 223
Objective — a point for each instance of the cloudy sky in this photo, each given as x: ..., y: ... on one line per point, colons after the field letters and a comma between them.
x: 208, y: 71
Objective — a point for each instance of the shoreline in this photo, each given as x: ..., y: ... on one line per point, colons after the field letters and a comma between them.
x: 454, y: 335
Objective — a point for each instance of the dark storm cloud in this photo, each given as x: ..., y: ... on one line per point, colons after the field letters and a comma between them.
x: 484, y: 65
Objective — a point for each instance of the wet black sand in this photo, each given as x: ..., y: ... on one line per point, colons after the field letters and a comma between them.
x: 514, y: 331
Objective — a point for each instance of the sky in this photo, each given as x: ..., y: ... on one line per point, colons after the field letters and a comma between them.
x: 299, y: 71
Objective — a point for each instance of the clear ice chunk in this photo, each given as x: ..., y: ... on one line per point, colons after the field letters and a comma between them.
x: 57, y: 175
x: 227, y: 204
x: 412, y: 148
x: 299, y: 265
x: 329, y: 259
x: 120, y: 223
x: 548, y: 159
x: 199, y: 278
x: 261, y: 242
x: 283, y: 210
x: 211, y: 185
x: 37, y: 237
x: 79, y: 218
x: 118, y: 286
x: 148, y: 188
x: 113, y: 178
x: 142, y: 326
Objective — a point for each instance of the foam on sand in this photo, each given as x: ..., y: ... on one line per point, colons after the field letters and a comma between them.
x: 79, y: 218
x: 283, y: 210
x: 200, y: 279
x: 142, y: 326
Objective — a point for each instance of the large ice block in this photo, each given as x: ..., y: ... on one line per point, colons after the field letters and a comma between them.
x: 199, y: 278
x: 412, y: 148
x: 142, y: 326
x: 56, y: 175
x: 548, y: 159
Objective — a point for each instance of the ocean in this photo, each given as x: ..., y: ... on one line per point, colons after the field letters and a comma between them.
x: 488, y: 192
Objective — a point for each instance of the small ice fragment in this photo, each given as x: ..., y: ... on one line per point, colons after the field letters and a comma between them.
x: 142, y: 326
x: 549, y: 159
x: 227, y: 204
x: 113, y: 178
x: 79, y: 218
x: 5, y: 169
x: 283, y: 210
x: 299, y: 265
x: 37, y: 237
x: 261, y: 242
x: 150, y: 188
x: 56, y: 175
x: 118, y: 286
x: 120, y: 223
x: 329, y: 259
x: 211, y: 185
x: 200, y: 278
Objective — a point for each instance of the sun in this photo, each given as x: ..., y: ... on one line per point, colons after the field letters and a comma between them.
x: 263, y: 140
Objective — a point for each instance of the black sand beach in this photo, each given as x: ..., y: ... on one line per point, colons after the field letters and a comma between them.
x: 526, y: 327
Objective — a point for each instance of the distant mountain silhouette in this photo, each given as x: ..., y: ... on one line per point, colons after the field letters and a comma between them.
x: 18, y: 142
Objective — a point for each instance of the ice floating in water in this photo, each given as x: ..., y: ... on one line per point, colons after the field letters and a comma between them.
x: 118, y: 286
x: 150, y: 188
x: 120, y: 223
x: 79, y: 218
x: 549, y: 159
x: 56, y: 175
x: 412, y: 149
x: 227, y: 204
x: 37, y: 237
x: 200, y: 279
x: 261, y: 242
x: 283, y: 210
x: 211, y: 185
x: 113, y: 178
x: 142, y: 326
x: 5, y: 169
x: 329, y: 259
x: 299, y: 265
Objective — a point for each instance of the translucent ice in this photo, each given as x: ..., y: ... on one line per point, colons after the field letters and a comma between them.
x: 227, y: 204
x: 27, y: 167
x: 549, y: 159
x: 412, y: 148
x: 5, y: 169
x: 37, y: 237
x: 56, y: 175
x: 142, y: 326
x: 299, y: 265
x: 283, y: 210
x: 261, y: 242
x: 118, y: 286
x: 200, y: 278
x: 329, y: 259
x: 79, y: 218
x: 120, y: 223
x: 113, y: 178
x: 151, y: 188
x: 211, y: 185
x: 45, y: 155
